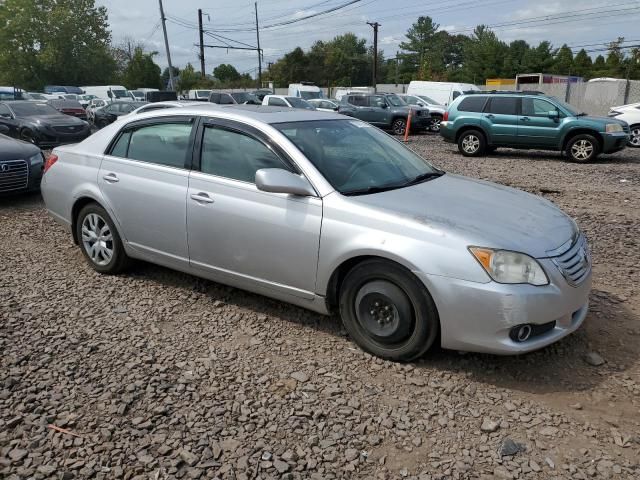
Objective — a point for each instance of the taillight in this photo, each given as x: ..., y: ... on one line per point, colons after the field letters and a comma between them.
x: 48, y: 163
x: 445, y: 117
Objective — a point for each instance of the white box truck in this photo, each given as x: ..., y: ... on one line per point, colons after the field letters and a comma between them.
x: 305, y: 90
x: 442, y: 92
x: 110, y: 93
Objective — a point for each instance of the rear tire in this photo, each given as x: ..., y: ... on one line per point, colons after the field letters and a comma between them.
x: 99, y: 240
x: 388, y: 311
x: 399, y: 126
x: 472, y: 143
x: 582, y: 148
x: 634, y: 140
x: 434, y: 126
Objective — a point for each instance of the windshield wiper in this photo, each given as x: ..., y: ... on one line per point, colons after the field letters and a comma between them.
x: 373, y: 189
x: 423, y: 177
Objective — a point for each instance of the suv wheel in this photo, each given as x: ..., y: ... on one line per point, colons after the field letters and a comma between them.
x: 399, y: 126
x: 634, y: 140
x: 99, y: 240
x: 435, y: 124
x: 387, y: 311
x: 471, y: 143
x: 582, y: 148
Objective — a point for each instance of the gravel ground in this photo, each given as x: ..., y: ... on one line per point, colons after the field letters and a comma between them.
x: 156, y: 374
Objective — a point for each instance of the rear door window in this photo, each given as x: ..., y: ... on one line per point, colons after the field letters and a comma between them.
x: 503, y: 105
x: 472, y: 104
x: 357, y: 100
x: 162, y: 144
x: 277, y: 102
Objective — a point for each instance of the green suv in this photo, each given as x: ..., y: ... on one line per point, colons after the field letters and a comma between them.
x: 483, y: 121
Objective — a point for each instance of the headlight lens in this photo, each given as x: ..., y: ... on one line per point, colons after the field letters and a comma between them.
x: 505, y: 266
x: 36, y: 159
x: 613, y: 128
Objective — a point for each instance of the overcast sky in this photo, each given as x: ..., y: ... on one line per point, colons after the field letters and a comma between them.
x: 584, y: 23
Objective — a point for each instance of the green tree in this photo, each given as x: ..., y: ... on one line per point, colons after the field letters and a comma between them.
x: 563, y: 63
x: 599, y: 67
x: 582, y: 64
x: 54, y: 41
x: 142, y: 71
x: 226, y: 73
x: 189, y: 79
x: 165, y: 75
x: 484, y: 56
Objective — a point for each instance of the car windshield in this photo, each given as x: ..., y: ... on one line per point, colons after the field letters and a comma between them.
x: 396, y: 101
x: 357, y: 158
x: 242, y: 97
x: 568, y: 108
x: 299, y: 103
x: 33, y: 109
x: 119, y: 93
x: 203, y: 93
x: 37, y: 96
x: 309, y: 95
x: 429, y: 100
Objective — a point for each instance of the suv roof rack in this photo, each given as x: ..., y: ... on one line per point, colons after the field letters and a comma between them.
x: 503, y: 92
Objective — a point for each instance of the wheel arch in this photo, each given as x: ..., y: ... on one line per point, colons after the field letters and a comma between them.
x: 580, y: 131
x: 466, y: 128
x: 78, y: 204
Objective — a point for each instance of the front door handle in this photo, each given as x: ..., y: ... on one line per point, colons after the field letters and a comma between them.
x: 525, y: 119
x: 111, y: 178
x: 491, y: 116
x: 201, y: 197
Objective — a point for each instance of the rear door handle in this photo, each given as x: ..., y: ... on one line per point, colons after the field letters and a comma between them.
x: 525, y: 119
x: 111, y: 178
x: 491, y: 116
x: 201, y: 197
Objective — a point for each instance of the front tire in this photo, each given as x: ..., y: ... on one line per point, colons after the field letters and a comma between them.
x: 435, y: 124
x: 387, y: 311
x: 399, y: 126
x: 634, y: 140
x: 472, y: 143
x: 582, y: 148
x: 99, y: 240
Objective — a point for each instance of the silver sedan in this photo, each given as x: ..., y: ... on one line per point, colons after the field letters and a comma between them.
x: 330, y: 214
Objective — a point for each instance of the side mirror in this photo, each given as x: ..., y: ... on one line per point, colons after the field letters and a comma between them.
x: 420, y: 104
x: 384, y: 105
x: 278, y: 180
x: 554, y: 114
x: 4, y: 130
x: 335, y: 109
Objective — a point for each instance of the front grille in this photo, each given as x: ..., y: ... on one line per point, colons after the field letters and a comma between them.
x: 575, y: 263
x: 14, y: 175
x: 69, y: 129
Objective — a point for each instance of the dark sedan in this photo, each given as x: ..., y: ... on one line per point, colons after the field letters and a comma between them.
x: 110, y: 113
x: 21, y: 165
x: 41, y: 124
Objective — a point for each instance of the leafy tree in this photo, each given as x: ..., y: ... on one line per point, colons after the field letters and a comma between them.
x: 54, y: 41
x: 165, y: 75
x: 582, y: 64
x: 599, y: 67
x: 142, y: 71
x: 484, y: 55
x: 226, y: 73
x: 188, y: 80
x: 563, y: 64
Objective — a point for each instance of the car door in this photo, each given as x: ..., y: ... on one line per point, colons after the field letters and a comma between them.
x: 357, y: 106
x: 501, y: 116
x: 377, y: 112
x: 144, y: 179
x: 241, y: 235
x: 7, y: 119
x: 536, y: 127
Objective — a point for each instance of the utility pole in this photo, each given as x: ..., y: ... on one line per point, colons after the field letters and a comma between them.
x: 259, y: 51
x: 201, y: 31
x: 375, y: 26
x: 166, y: 44
x: 397, y: 67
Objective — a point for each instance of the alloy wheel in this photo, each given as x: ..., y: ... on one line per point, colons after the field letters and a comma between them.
x: 634, y: 141
x: 399, y: 126
x: 582, y: 149
x: 471, y: 144
x: 435, y: 124
x: 97, y: 239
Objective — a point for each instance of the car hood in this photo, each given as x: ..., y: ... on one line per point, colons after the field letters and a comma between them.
x: 12, y: 149
x: 61, y: 120
x: 601, y: 121
x: 480, y: 213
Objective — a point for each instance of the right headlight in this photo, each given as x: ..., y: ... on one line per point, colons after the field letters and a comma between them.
x: 613, y: 128
x: 505, y: 266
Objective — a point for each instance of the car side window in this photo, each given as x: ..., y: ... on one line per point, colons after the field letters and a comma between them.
x: 163, y: 144
x: 225, y: 99
x: 214, y: 98
x: 504, y: 105
x: 235, y: 155
x: 472, y: 104
x: 5, y: 112
x: 277, y: 102
x: 357, y: 100
x: 121, y: 146
x: 377, y: 101
x: 537, y: 107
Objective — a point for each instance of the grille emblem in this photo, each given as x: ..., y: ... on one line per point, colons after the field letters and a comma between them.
x: 5, y: 167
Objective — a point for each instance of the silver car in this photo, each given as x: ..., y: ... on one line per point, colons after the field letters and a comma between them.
x: 331, y: 214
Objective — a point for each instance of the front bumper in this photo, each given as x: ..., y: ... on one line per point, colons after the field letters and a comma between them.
x: 477, y: 317
x: 614, y: 142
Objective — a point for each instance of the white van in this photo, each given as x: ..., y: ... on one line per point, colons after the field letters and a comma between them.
x: 340, y: 92
x: 110, y: 93
x: 200, y: 95
x: 442, y: 92
x: 305, y: 90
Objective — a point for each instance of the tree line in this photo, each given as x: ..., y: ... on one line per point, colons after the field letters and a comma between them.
x: 68, y: 42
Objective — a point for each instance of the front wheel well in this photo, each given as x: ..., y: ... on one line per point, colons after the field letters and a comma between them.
x: 75, y: 210
x: 581, y: 131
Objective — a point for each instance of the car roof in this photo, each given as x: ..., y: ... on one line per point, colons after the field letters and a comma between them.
x: 256, y: 113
